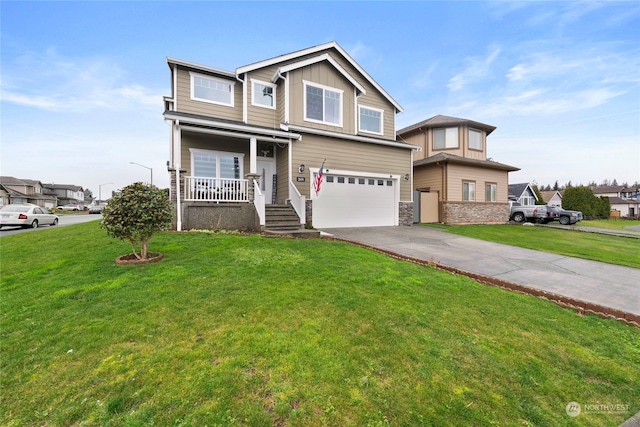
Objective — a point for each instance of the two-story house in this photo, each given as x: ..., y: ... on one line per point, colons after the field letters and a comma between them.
x: 624, y: 200
x: 257, y: 136
x: 458, y: 184
x: 20, y: 190
x: 66, y: 193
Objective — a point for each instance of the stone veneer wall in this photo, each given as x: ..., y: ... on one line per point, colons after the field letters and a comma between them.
x: 405, y: 214
x: 474, y: 213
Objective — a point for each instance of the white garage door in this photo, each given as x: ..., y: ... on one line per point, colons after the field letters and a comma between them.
x: 353, y: 200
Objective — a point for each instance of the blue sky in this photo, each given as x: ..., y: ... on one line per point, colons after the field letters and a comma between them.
x: 82, y: 82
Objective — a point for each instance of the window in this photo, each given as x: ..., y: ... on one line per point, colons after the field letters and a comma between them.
x: 445, y: 138
x: 322, y: 104
x: 469, y: 191
x: 263, y: 94
x: 216, y: 164
x: 490, y: 192
x: 475, y: 139
x: 329, y: 178
x: 352, y: 180
x: 370, y: 120
x: 210, y: 89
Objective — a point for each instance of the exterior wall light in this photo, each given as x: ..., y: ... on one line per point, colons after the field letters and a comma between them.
x: 301, y: 168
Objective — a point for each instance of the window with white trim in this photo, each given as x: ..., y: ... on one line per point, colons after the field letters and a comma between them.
x: 490, y: 192
x: 211, y: 89
x: 216, y: 164
x: 445, y: 138
x: 322, y: 104
x: 469, y: 191
x: 370, y: 120
x: 475, y: 139
x: 263, y: 94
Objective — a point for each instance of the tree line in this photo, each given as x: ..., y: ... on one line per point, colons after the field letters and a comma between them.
x: 605, y: 183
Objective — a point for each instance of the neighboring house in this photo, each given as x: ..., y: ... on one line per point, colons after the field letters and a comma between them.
x: 552, y: 198
x: 622, y: 199
x: 66, y: 194
x: 523, y: 194
x: 458, y: 184
x: 274, y: 123
x: 18, y: 190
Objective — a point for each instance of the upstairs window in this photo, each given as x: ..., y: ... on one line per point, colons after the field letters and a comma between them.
x: 475, y: 139
x: 210, y: 89
x: 322, y: 104
x: 263, y: 94
x: 370, y: 120
x: 445, y: 138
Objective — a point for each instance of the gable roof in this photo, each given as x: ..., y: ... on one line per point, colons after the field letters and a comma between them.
x: 516, y: 190
x: 316, y: 49
x: 451, y: 158
x: 607, y: 189
x: 10, y: 180
x: 440, y: 121
x: 548, y: 195
x: 64, y: 187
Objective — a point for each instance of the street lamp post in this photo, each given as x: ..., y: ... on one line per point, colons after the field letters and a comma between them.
x: 147, y: 167
x: 100, y: 191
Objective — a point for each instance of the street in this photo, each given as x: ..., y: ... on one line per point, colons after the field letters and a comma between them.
x: 65, y: 219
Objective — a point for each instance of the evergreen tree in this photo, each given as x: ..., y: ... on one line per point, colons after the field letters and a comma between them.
x: 556, y: 186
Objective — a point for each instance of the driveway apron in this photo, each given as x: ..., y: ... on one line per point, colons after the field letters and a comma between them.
x: 592, y: 282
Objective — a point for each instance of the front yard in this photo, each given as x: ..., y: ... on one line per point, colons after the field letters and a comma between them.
x: 246, y: 330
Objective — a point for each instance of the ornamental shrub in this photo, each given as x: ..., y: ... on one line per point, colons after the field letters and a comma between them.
x: 136, y: 213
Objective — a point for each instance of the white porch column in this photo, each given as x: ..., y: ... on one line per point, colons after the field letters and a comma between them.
x: 253, y: 156
x: 177, y: 146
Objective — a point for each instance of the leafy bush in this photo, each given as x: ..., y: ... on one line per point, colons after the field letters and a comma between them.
x: 136, y: 213
x: 582, y: 199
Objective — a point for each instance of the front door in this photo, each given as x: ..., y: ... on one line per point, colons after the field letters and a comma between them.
x: 267, y: 170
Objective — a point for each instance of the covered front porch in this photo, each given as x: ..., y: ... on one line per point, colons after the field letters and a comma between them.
x: 223, y: 175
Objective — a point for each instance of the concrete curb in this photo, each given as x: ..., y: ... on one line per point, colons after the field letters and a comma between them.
x: 581, y: 307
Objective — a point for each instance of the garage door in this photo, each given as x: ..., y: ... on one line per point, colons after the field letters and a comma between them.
x: 355, y: 200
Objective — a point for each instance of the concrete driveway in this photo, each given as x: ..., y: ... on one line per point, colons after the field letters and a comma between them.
x: 592, y: 282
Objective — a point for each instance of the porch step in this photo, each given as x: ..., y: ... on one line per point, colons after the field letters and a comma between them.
x: 282, y: 220
x: 281, y: 217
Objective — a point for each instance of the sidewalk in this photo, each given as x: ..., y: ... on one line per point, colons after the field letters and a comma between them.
x: 591, y: 282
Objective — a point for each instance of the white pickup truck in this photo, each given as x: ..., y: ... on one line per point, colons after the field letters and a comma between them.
x: 532, y: 213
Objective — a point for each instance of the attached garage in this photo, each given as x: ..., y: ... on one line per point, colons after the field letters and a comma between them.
x: 354, y: 199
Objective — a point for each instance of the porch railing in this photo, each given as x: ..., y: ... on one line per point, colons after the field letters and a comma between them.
x: 297, y: 200
x: 203, y: 189
x: 259, y: 202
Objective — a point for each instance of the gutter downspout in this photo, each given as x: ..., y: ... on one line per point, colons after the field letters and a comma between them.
x: 245, y: 113
x: 444, y: 190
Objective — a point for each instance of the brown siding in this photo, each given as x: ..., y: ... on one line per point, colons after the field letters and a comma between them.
x: 325, y: 74
x: 429, y: 176
x: 456, y: 174
x: 262, y: 116
x: 350, y: 155
x: 424, y: 139
x: 282, y: 160
x: 187, y: 105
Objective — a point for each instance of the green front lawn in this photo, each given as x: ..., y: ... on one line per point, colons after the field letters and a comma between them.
x: 613, y: 224
x: 597, y: 247
x: 243, y: 330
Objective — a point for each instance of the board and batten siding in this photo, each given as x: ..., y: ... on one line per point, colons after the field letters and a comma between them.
x: 457, y: 174
x: 208, y: 142
x: 187, y: 105
x: 350, y: 156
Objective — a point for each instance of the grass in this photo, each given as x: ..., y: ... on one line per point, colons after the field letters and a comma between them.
x: 597, y: 247
x: 617, y: 224
x: 243, y: 330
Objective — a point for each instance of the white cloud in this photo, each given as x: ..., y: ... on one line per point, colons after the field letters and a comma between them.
x: 476, y: 69
x: 50, y: 82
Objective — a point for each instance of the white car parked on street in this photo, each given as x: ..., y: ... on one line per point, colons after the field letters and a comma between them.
x: 26, y: 215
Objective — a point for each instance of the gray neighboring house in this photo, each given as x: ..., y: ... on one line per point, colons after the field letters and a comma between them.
x: 522, y: 193
x: 66, y: 193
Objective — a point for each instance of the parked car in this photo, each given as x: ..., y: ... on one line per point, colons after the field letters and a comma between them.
x: 26, y: 215
x: 96, y: 209
x: 564, y: 216
x: 533, y: 213
x: 71, y: 207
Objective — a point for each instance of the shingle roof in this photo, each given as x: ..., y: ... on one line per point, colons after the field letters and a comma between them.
x: 516, y: 190
x: 450, y: 158
x: 440, y: 120
x: 10, y: 180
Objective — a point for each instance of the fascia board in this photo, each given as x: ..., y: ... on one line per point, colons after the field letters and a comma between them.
x: 200, y: 67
